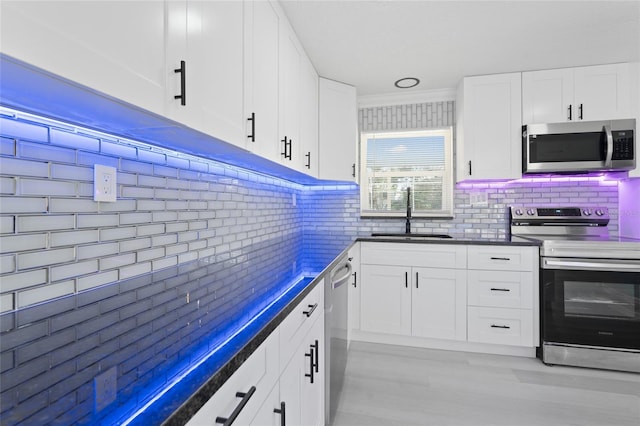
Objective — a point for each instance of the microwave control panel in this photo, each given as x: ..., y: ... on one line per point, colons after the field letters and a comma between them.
x: 622, y: 145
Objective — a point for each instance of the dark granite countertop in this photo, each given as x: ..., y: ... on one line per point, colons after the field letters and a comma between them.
x: 457, y: 239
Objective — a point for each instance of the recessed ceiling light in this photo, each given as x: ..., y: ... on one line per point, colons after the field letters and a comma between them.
x: 406, y: 83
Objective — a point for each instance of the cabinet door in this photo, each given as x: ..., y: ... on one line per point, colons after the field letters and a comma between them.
x: 385, y: 299
x: 338, y: 128
x: 312, y: 392
x: 115, y: 48
x: 547, y: 96
x: 490, y: 129
x: 354, y: 291
x: 309, y: 118
x: 289, y: 101
x: 439, y: 303
x: 602, y: 92
x: 267, y: 414
x: 261, y: 78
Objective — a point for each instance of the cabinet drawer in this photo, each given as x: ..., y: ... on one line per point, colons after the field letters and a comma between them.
x: 500, y: 289
x: 260, y: 370
x: 299, y: 322
x: 500, y: 325
x: 503, y: 258
x: 420, y: 255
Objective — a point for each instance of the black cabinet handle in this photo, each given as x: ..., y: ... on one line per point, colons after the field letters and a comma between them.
x: 286, y: 148
x: 310, y: 311
x: 355, y: 279
x: 308, y: 155
x: 316, y: 348
x: 500, y: 289
x: 311, y: 365
x: 500, y: 258
x: 416, y: 280
x: 183, y: 83
x: 282, y: 411
x: 245, y: 398
x: 580, y: 112
x: 469, y: 168
x: 353, y: 173
x: 499, y: 326
x: 252, y: 119
x: 569, y: 112
x: 406, y: 280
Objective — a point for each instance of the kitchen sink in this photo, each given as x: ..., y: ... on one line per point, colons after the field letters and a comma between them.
x: 411, y: 235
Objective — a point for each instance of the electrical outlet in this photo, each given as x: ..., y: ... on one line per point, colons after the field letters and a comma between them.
x: 104, y: 183
x: 105, y: 388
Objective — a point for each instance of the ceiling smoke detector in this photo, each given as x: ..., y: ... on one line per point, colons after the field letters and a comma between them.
x: 407, y: 83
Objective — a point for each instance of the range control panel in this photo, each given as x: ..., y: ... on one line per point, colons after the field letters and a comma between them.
x: 561, y: 215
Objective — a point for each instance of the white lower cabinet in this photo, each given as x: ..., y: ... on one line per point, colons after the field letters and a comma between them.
x: 282, y: 382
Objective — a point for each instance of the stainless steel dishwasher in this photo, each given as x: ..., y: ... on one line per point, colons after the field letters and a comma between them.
x: 335, y: 326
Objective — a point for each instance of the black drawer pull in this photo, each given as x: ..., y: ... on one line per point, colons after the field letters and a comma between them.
x: 282, y: 411
x: 355, y: 279
x: 353, y: 170
x: 500, y: 289
x: 252, y: 119
x: 310, y: 375
x: 245, y: 398
x: 499, y: 326
x: 316, y: 348
x: 500, y: 258
x: 310, y: 311
x: 308, y: 155
x: 183, y: 83
x: 406, y: 280
x: 416, y: 280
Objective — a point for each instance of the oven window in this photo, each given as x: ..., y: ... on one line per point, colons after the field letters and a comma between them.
x: 599, y: 299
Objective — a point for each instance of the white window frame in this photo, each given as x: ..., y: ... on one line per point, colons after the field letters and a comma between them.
x: 447, y: 174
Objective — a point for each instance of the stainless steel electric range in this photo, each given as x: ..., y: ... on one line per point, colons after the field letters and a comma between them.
x: 590, y: 287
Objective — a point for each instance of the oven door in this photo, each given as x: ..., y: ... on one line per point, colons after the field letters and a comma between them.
x: 591, y: 302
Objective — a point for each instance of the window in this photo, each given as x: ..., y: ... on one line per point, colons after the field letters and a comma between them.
x: 391, y: 162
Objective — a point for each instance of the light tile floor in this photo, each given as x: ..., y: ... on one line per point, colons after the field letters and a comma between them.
x: 395, y: 385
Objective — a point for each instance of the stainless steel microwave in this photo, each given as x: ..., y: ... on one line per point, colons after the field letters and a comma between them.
x: 579, y: 146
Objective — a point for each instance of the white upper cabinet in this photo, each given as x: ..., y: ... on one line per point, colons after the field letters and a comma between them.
x: 290, y: 56
x: 309, y: 118
x: 338, y: 124
x: 116, y: 48
x: 208, y: 37
x: 599, y: 92
x: 488, y: 128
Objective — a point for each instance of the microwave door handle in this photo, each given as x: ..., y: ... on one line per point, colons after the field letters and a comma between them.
x: 607, y: 129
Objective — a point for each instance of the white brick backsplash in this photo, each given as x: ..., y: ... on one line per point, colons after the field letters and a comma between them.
x: 47, y: 187
x: 7, y: 224
x: 197, y: 245
x: 7, y: 264
x: 197, y: 205
x: 180, y: 163
x: 97, y: 220
x: 187, y: 236
x: 164, y: 263
x: 58, y: 239
x: 127, y: 179
x: 164, y: 216
x: 6, y: 302
x: 151, y: 254
x: 176, y: 249
x: 45, y: 292
x: 134, y: 218
x: 136, y: 167
x: 163, y: 240
x: 15, y: 167
x: 61, y: 171
x: 151, y: 230
x: 90, y: 159
x: 118, y: 150
x: 95, y: 280
x: 195, y: 225
x: 46, y: 152
x: 20, y: 280
x: 134, y: 244
x: 198, y: 186
x: 7, y: 185
x: 152, y: 181
x: 176, y: 227
x: 50, y: 257
x: 178, y: 184
x: 186, y: 216
x: 7, y: 146
x: 151, y: 157
x: 72, y: 205
x: 187, y: 257
x: 119, y: 206
x: 117, y: 261
x: 134, y: 270
x: 167, y: 194
x: 74, y: 140
x: 177, y: 205
x: 117, y: 233
x: 22, y: 130
x: 171, y: 172
x: 196, y: 165
x: 136, y: 192
x: 45, y: 223
x: 95, y: 251
x: 16, y: 243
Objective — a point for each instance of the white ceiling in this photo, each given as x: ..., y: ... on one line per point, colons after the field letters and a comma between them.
x: 371, y: 44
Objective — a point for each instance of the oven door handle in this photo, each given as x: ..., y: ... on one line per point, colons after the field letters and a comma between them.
x: 590, y: 265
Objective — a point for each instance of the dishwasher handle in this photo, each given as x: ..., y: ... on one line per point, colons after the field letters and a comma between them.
x: 337, y: 282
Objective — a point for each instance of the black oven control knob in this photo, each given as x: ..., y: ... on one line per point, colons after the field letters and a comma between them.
x: 518, y: 212
x: 531, y: 212
x: 586, y: 212
x: 599, y: 212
